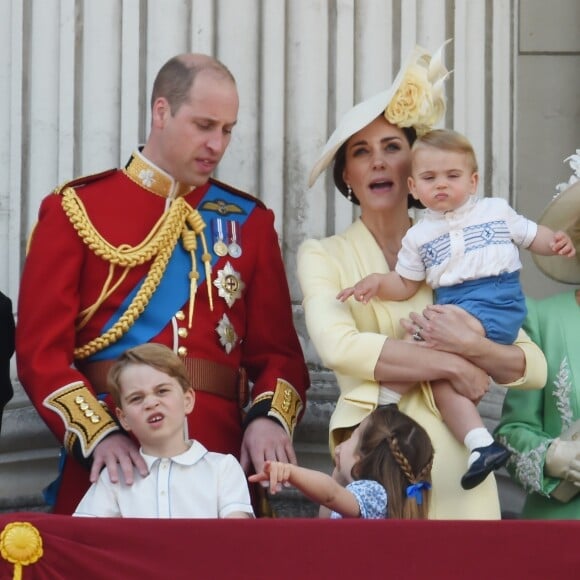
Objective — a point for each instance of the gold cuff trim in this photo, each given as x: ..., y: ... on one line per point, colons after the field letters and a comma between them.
x: 263, y: 397
x: 286, y: 405
x: 84, y: 417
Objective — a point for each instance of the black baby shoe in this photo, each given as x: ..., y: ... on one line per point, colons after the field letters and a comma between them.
x: 490, y: 458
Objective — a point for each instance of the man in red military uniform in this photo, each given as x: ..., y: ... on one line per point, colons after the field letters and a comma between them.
x: 160, y: 252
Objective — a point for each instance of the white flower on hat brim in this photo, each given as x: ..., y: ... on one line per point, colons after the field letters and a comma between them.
x: 425, y: 72
x: 563, y: 213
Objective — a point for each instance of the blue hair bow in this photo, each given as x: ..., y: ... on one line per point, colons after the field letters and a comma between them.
x: 414, y: 490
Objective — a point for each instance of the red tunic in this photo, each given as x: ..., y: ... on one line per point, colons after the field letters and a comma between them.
x: 63, y: 276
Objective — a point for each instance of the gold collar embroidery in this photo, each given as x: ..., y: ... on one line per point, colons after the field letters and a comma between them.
x: 150, y: 177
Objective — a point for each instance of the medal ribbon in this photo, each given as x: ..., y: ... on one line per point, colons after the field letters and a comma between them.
x: 234, y: 241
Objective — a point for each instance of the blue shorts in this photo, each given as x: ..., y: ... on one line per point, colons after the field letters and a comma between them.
x: 498, y: 302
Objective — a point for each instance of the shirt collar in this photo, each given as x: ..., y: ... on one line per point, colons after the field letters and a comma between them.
x: 195, y: 452
x: 152, y: 178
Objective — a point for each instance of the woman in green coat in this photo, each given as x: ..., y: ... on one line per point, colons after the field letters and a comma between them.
x: 542, y: 428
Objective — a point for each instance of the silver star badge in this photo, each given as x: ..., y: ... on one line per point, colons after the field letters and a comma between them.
x: 227, y: 334
x: 229, y: 284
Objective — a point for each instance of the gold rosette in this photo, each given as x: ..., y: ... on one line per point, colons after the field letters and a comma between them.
x: 21, y: 545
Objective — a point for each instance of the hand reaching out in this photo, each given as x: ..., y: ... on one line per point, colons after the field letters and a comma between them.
x: 363, y: 290
x: 276, y: 472
x: 562, y: 245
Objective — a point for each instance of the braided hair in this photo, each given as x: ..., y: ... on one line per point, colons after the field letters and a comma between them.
x: 397, y: 452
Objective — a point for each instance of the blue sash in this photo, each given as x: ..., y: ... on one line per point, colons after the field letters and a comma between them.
x: 173, y: 290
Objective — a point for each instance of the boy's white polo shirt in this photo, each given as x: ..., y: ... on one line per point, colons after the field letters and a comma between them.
x: 195, y: 484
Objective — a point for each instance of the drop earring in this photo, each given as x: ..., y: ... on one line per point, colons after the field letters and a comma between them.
x: 348, y: 192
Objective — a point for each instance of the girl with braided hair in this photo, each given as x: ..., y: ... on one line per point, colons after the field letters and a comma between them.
x: 382, y: 471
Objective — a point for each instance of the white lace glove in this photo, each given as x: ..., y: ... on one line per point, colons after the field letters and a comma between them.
x: 563, y: 460
x: 574, y: 472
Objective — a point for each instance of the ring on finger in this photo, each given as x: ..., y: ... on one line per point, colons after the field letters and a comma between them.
x: 417, y: 336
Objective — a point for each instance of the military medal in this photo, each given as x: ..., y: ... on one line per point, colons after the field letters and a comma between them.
x: 229, y: 284
x: 219, y: 246
x: 234, y: 250
x: 234, y: 247
x: 227, y: 335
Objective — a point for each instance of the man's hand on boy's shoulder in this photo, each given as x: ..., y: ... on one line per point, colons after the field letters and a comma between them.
x: 114, y: 452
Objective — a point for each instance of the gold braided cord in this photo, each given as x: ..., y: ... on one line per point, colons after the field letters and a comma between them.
x: 135, y: 309
x: 190, y: 245
x: 158, y: 244
x: 124, y: 255
x: 197, y: 224
x: 86, y: 315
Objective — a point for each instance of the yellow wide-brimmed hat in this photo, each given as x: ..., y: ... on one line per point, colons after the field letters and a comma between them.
x: 563, y: 213
x: 415, y: 99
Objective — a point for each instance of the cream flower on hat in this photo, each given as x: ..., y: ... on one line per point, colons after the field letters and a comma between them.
x: 419, y: 101
x: 574, y: 161
x: 415, y: 99
x: 563, y: 213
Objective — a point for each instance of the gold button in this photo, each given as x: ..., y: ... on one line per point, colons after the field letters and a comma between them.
x: 182, y: 332
x: 180, y: 315
x: 79, y: 399
x: 89, y: 413
x: 182, y: 351
x: 84, y: 406
x: 95, y: 419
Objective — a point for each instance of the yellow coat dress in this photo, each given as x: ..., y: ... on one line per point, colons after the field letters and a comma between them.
x: 349, y: 338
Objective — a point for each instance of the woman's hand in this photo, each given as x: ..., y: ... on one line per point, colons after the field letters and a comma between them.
x: 451, y: 329
x: 470, y: 381
x: 401, y: 362
x: 448, y: 328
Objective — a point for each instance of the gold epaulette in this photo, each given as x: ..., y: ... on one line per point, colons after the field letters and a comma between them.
x: 84, y: 180
x: 286, y: 406
x: 85, y: 419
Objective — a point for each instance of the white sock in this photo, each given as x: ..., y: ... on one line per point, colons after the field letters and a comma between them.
x: 478, y: 437
x: 388, y: 396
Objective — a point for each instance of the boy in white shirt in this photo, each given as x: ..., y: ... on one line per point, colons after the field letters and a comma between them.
x: 466, y: 249
x: 152, y: 392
